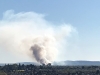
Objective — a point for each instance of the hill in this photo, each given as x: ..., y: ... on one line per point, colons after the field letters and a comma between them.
x: 67, y: 63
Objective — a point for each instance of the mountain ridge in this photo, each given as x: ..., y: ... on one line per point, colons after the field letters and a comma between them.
x: 67, y: 63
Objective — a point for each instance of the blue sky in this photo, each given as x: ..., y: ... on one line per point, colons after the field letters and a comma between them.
x: 84, y: 15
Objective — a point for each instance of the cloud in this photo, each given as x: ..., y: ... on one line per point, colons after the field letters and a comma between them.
x: 30, y: 34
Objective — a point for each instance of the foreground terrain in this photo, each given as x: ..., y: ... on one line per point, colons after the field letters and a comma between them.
x: 21, y: 69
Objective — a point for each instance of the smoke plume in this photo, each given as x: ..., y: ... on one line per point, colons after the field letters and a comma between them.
x: 29, y: 34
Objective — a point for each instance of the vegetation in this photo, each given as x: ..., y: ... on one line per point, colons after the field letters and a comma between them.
x: 18, y: 69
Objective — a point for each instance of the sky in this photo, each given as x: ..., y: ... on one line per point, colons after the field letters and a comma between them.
x: 83, y: 15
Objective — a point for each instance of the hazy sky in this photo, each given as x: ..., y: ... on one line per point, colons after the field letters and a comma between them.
x: 84, y: 15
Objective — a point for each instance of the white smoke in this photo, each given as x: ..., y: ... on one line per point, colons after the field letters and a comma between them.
x: 30, y: 34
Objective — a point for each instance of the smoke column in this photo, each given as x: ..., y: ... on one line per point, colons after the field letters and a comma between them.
x: 29, y: 34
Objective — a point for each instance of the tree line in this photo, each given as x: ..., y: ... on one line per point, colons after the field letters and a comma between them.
x: 31, y: 69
